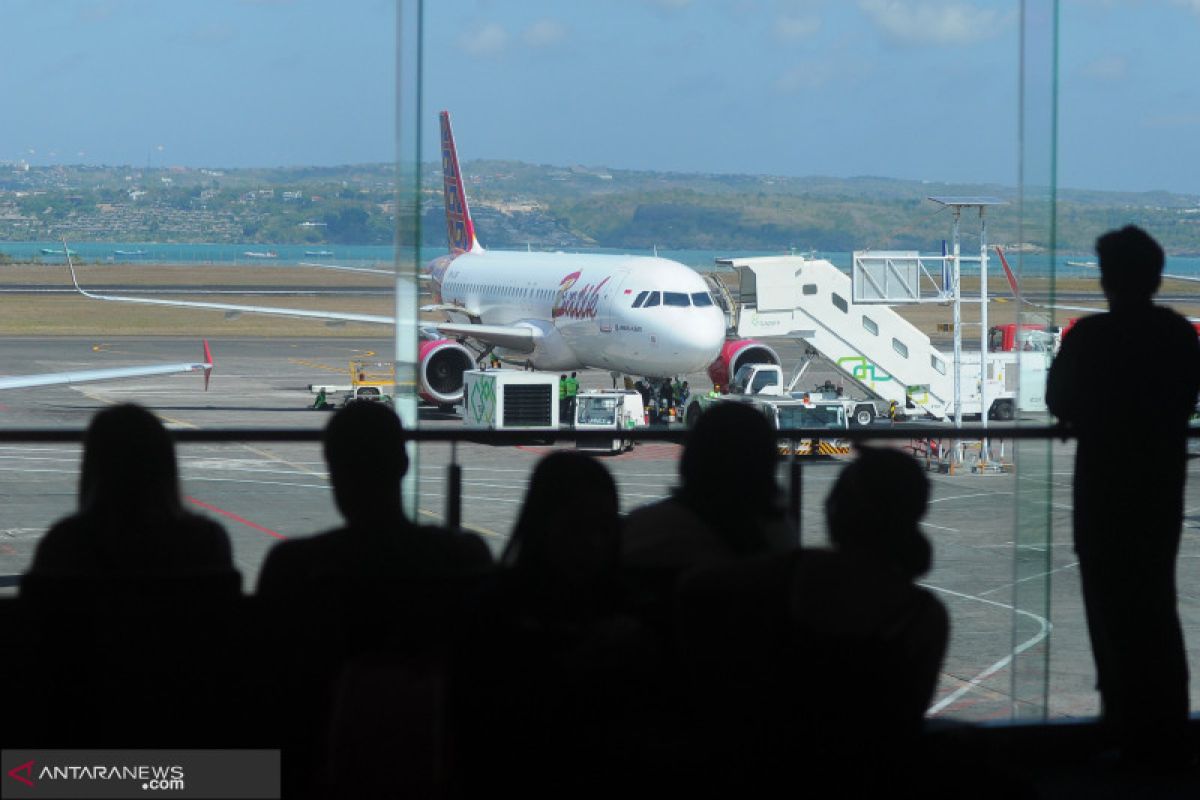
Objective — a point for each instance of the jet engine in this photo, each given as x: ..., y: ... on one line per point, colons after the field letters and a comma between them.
x: 442, y: 364
x: 734, y: 354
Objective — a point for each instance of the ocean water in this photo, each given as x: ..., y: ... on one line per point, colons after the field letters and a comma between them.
x: 1029, y: 264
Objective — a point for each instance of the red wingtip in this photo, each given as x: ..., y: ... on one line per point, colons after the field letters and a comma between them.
x: 1008, y: 273
x: 208, y: 359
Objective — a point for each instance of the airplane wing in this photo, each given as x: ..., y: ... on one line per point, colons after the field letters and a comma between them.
x: 421, y: 276
x: 111, y: 373
x: 518, y: 338
x: 232, y: 309
x: 513, y: 337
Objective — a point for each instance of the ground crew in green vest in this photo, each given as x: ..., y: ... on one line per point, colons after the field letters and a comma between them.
x: 562, y: 398
x: 716, y: 391
x: 572, y: 388
x: 321, y: 403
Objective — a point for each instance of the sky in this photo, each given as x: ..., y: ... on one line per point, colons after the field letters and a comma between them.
x: 916, y: 89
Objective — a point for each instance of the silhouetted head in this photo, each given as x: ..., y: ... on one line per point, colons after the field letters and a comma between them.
x: 128, y: 464
x: 568, y: 532
x: 364, y: 448
x: 1131, y: 265
x: 874, y: 509
x: 732, y: 453
x: 727, y: 473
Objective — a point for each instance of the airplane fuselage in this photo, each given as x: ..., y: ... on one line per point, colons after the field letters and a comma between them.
x: 631, y: 314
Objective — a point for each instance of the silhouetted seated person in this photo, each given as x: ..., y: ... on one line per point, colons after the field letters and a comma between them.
x: 1128, y: 515
x: 551, y: 662
x: 379, y: 555
x: 131, y: 529
x: 817, y: 660
x: 131, y: 595
x: 361, y: 615
x: 727, y: 505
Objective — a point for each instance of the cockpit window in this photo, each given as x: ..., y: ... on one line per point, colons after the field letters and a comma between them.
x: 701, y: 299
x: 652, y: 300
x: 676, y: 299
x: 637, y: 303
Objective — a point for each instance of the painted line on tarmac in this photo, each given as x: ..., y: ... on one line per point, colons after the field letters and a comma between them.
x: 969, y: 496
x: 1011, y: 584
x: 260, y: 483
x: 1044, y: 630
x: 235, y: 517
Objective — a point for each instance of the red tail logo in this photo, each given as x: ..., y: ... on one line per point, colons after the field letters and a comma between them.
x: 460, y: 230
x: 26, y: 768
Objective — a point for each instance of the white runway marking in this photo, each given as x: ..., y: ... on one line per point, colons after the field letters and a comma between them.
x: 1011, y: 584
x: 1044, y: 630
x: 969, y: 496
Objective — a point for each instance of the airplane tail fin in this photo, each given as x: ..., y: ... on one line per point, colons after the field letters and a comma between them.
x: 460, y: 229
x: 208, y: 359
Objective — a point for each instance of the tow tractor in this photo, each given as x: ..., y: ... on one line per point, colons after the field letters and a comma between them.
x: 373, y: 381
x: 765, y: 381
x: 615, y: 411
x: 761, y: 386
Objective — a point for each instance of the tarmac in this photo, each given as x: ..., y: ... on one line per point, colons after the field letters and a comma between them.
x: 1000, y: 594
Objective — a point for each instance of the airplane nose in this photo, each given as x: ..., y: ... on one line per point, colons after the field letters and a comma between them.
x: 698, y: 341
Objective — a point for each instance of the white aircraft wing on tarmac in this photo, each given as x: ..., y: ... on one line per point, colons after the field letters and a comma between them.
x: 109, y: 373
x: 232, y: 309
x: 512, y: 337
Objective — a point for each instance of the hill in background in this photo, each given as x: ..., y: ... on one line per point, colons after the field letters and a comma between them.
x: 518, y: 204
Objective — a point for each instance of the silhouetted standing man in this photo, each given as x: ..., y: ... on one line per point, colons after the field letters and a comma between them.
x: 1128, y: 516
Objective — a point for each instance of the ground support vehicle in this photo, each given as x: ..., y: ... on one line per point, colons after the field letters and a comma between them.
x: 510, y: 399
x: 766, y: 381
x: 608, y: 411
x: 786, y: 413
x: 373, y: 381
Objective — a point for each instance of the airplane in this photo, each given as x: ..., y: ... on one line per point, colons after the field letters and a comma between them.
x: 109, y: 373
x: 631, y: 315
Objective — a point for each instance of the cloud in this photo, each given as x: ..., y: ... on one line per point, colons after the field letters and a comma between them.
x: 489, y: 39
x: 920, y: 22
x: 1109, y: 67
x: 792, y: 28
x: 544, y: 33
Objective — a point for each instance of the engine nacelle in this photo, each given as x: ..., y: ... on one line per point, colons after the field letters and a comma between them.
x: 442, y: 364
x: 734, y: 354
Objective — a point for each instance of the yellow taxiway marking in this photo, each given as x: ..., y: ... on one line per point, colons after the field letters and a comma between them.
x: 304, y: 362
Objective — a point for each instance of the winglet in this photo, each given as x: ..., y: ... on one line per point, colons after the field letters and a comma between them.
x: 71, y: 266
x: 208, y: 360
x: 1008, y: 273
x: 460, y: 229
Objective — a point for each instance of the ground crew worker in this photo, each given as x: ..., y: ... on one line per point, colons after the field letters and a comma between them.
x: 571, y: 385
x: 562, y: 397
x: 683, y: 394
x: 893, y: 407
x: 321, y: 403
x: 716, y: 391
